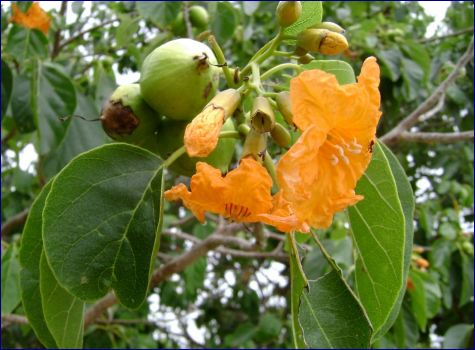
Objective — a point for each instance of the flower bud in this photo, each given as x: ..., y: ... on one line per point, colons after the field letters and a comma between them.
x: 262, y: 115
x: 333, y: 27
x: 305, y: 59
x: 281, y: 135
x: 299, y: 51
x: 288, y: 12
x: 323, y: 41
x: 255, y: 145
x: 284, y: 105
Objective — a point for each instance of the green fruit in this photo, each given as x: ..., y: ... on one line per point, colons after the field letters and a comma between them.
x: 199, y: 17
x: 171, y: 138
x: 126, y: 117
x: 179, y: 78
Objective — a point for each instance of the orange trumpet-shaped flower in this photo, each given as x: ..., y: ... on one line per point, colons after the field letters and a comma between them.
x: 242, y: 195
x: 318, y: 174
x: 33, y: 18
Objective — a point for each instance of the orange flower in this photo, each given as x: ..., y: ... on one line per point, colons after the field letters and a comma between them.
x: 201, y: 135
x: 319, y: 172
x: 242, y: 195
x: 33, y: 18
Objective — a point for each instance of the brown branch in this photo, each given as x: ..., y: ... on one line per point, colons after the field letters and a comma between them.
x: 8, y: 137
x: 15, y: 222
x: 186, y: 17
x: 10, y: 319
x: 436, y: 137
x: 433, y: 100
x: 80, y: 34
x: 57, y: 35
x: 441, y: 37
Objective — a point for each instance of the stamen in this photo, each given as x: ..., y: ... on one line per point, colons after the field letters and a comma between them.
x: 236, y: 211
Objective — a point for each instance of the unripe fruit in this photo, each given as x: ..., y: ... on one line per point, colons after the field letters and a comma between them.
x: 179, y: 78
x: 127, y: 118
x: 281, y: 135
x: 170, y: 138
x: 199, y: 17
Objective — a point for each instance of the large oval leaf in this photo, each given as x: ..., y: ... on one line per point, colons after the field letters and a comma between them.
x: 311, y: 14
x: 340, y: 69
x: 30, y: 254
x: 100, y: 223
x: 10, y: 280
x: 379, y: 234
x: 64, y: 313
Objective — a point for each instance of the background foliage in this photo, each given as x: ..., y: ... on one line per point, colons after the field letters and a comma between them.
x: 237, y: 301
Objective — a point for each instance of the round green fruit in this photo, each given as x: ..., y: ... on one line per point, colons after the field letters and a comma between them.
x: 171, y: 138
x: 126, y: 117
x: 199, y: 17
x: 179, y: 78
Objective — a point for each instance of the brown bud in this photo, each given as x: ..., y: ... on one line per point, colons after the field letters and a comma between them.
x: 285, y: 106
x: 262, y: 115
x: 288, y: 12
x: 281, y: 135
x: 299, y: 51
x: 306, y: 59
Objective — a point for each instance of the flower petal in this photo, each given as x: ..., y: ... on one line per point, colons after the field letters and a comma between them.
x: 202, y: 134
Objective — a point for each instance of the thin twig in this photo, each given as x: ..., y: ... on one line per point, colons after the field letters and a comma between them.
x: 392, y: 136
x: 57, y: 34
x: 15, y: 222
x: 445, y: 36
x: 186, y: 17
x: 80, y: 34
x: 436, y: 137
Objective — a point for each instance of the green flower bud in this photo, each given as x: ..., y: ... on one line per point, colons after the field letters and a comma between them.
x: 262, y: 115
x: 333, y: 27
x: 305, y: 59
x: 281, y: 135
x: 284, y: 105
x: 255, y: 145
x: 288, y: 12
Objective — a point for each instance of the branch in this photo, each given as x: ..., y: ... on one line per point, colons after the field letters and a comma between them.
x: 10, y: 319
x: 436, y: 137
x: 393, y: 136
x: 457, y: 33
x: 186, y: 17
x: 80, y: 34
x: 16, y: 221
x: 57, y: 35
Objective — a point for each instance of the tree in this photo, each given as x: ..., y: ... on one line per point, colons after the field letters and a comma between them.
x: 222, y: 283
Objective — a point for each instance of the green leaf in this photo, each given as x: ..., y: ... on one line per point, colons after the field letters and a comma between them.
x: 391, y: 60
x: 194, y: 276
x: 418, y: 300
x: 268, y: 329
x: 379, y: 234
x: 466, y: 292
x: 412, y: 76
x: 406, y: 196
x: 7, y: 86
x: 30, y: 254
x: 80, y: 136
x: 223, y: 21
x: 101, y: 223
x: 340, y: 69
x: 298, y: 281
x: 330, y: 314
x: 311, y: 15
x: 22, y: 111
x: 54, y: 97
x: 127, y: 28
x: 23, y: 43
x: 62, y: 311
x: 458, y: 337
x: 11, y: 295
x: 159, y: 12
